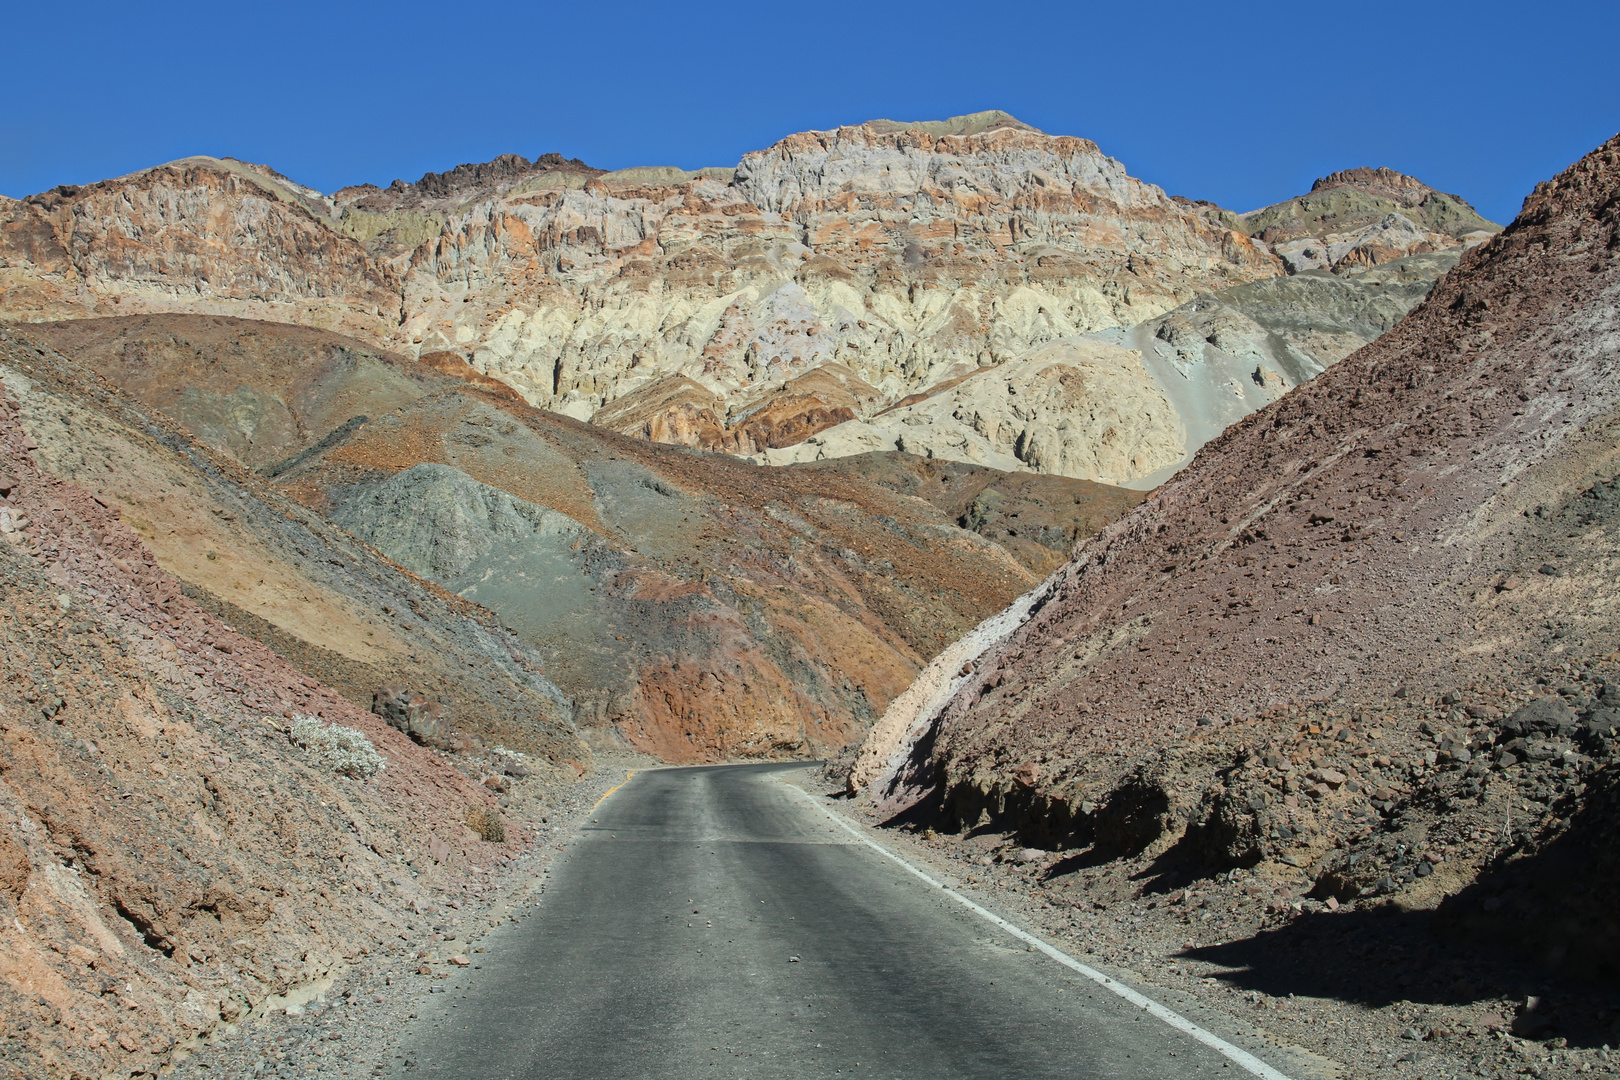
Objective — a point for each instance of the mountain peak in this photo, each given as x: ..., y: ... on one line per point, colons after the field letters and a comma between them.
x: 1379, y: 180
x: 1351, y: 200
x: 488, y: 173
x: 969, y: 124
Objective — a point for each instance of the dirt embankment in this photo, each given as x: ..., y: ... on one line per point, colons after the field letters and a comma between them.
x: 174, y: 851
x: 1361, y: 652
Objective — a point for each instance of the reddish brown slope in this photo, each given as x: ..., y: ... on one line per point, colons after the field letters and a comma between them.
x: 1434, y: 516
x: 168, y: 858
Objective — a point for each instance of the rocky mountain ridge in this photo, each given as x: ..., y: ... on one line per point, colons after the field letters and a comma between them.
x: 907, y: 257
x: 904, y: 256
x: 1363, y: 217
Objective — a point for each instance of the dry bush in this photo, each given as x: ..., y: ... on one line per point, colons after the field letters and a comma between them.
x: 342, y: 749
x: 486, y: 823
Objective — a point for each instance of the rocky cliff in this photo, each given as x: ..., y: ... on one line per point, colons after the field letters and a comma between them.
x: 904, y: 255
x: 1128, y: 405
x: 1361, y: 649
x: 199, y: 235
x: 803, y: 294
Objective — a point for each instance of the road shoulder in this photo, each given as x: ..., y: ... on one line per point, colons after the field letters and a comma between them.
x: 360, y: 1021
x: 1036, y: 915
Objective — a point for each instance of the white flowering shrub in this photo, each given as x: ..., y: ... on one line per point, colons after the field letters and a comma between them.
x: 342, y: 749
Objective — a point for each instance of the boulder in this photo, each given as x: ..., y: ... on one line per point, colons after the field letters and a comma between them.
x: 1543, y: 714
x: 423, y: 719
x: 1600, y: 726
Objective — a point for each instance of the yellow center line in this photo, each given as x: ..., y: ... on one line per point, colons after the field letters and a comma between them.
x: 614, y: 788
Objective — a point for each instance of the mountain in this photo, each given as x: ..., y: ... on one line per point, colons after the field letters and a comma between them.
x: 179, y: 840
x: 878, y: 287
x: 694, y: 606
x: 200, y: 235
x: 341, y: 535
x: 1362, y: 217
x: 904, y: 253
x: 1366, y: 626
x: 1132, y: 404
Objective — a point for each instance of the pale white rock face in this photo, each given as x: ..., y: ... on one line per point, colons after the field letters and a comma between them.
x: 1147, y: 396
x: 1079, y: 407
x: 1396, y: 232
x: 1392, y: 237
x: 1215, y: 365
x: 844, y: 440
x: 908, y: 257
x: 1306, y: 253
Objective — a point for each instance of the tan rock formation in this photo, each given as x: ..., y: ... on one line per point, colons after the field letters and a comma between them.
x: 906, y: 252
x: 717, y: 308
x: 1079, y: 408
x: 905, y: 255
x: 678, y: 410
x: 200, y: 235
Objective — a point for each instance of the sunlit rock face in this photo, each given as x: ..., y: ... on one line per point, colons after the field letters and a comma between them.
x: 804, y: 294
x: 906, y: 255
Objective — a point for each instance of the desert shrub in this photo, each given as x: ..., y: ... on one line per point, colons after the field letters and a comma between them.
x: 486, y: 823
x: 342, y: 749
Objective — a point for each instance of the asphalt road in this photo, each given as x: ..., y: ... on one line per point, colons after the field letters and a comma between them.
x: 665, y: 946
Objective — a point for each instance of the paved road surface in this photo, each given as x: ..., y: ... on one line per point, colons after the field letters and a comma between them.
x: 663, y: 950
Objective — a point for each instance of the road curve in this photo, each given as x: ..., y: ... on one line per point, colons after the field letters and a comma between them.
x: 666, y: 944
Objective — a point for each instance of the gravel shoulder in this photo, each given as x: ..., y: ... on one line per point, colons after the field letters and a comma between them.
x: 1324, y: 993
x: 350, y: 1024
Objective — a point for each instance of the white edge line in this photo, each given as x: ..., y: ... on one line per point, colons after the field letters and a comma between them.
x: 1237, y: 1054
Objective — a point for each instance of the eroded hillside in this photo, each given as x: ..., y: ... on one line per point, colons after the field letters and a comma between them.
x: 1359, y: 654
x: 698, y: 605
x: 174, y: 848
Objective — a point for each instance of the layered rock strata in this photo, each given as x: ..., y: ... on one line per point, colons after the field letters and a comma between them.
x: 1357, y: 218
x: 905, y: 256
x: 199, y: 235
x: 695, y: 605
x: 1132, y: 405
x: 748, y: 310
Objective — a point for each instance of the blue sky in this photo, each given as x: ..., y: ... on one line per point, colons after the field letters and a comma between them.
x: 1240, y: 103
